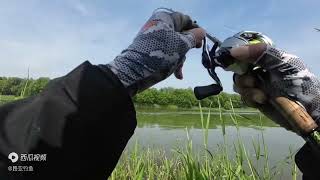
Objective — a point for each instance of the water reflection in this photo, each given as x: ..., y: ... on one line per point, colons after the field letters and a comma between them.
x: 175, y: 120
x: 169, y: 131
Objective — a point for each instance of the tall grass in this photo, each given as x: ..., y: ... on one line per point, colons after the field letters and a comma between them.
x: 23, y: 92
x: 224, y: 162
x: 6, y: 98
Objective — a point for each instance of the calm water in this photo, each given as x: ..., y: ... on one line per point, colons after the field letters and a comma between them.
x: 168, y: 130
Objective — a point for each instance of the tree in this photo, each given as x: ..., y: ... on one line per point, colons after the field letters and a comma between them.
x: 166, y: 96
x: 185, y: 98
x: 36, y: 86
x: 10, y: 86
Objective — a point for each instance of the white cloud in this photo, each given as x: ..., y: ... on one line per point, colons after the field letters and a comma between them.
x: 80, y: 7
x: 53, y: 48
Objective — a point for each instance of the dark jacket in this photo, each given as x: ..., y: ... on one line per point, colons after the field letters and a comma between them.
x: 308, y: 161
x: 82, y: 121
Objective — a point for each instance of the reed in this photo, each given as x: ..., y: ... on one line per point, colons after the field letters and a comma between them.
x: 224, y: 162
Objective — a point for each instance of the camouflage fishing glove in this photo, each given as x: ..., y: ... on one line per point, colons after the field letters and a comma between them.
x: 158, y: 50
x: 288, y: 76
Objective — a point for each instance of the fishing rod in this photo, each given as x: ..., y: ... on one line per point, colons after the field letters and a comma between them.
x: 219, y: 56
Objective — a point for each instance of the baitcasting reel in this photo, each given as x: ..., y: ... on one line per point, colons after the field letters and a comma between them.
x: 219, y: 56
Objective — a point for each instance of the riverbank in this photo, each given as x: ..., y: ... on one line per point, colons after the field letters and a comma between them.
x: 141, y: 108
x: 205, y: 143
x: 184, y: 146
x: 7, y: 98
x: 151, y: 163
x: 173, y: 108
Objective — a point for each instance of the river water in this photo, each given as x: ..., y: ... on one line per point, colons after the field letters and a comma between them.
x: 168, y: 130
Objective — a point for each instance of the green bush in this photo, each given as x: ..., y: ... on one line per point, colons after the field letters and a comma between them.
x: 14, y: 86
x: 182, y: 98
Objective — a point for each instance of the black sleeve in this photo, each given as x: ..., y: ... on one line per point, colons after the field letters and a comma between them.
x: 308, y: 160
x: 82, y: 121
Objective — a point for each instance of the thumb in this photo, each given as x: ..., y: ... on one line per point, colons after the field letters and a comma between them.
x: 198, y: 34
x: 249, y: 53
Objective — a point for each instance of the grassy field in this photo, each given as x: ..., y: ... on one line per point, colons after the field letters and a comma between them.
x: 6, y: 98
x: 173, y: 108
x: 185, y: 164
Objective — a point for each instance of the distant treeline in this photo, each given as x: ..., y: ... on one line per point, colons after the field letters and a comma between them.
x: 183, y: 98
x: 21, y: 86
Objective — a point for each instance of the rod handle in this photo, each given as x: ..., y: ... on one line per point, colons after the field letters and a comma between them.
x: 295, y: 114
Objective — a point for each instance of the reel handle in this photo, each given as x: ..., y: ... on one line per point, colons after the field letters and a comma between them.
x: 202, y: 92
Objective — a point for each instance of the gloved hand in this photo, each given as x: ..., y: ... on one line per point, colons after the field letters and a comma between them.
x: 158, y: 50
x: 288, y: 77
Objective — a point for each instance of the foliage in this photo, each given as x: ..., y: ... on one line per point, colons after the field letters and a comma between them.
x: 6, y: 98
x: 14, y: 86
x: 36, y: 86
x: 11, y: 85
x: 169, y: 97
x: 184, y: 98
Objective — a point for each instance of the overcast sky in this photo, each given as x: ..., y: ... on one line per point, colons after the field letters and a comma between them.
x: 52, y: 37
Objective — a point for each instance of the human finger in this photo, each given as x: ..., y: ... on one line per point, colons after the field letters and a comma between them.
x: 252, y: 96
x: 249, y: 53
x: 199, y: 34
x: 244, y: 81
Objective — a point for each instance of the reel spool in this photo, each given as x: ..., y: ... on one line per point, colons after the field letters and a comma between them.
x: 219, y: 56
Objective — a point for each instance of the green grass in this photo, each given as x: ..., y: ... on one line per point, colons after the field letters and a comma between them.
x: 7, y: 98
x: 174, y: 108
x: 225, y: 162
